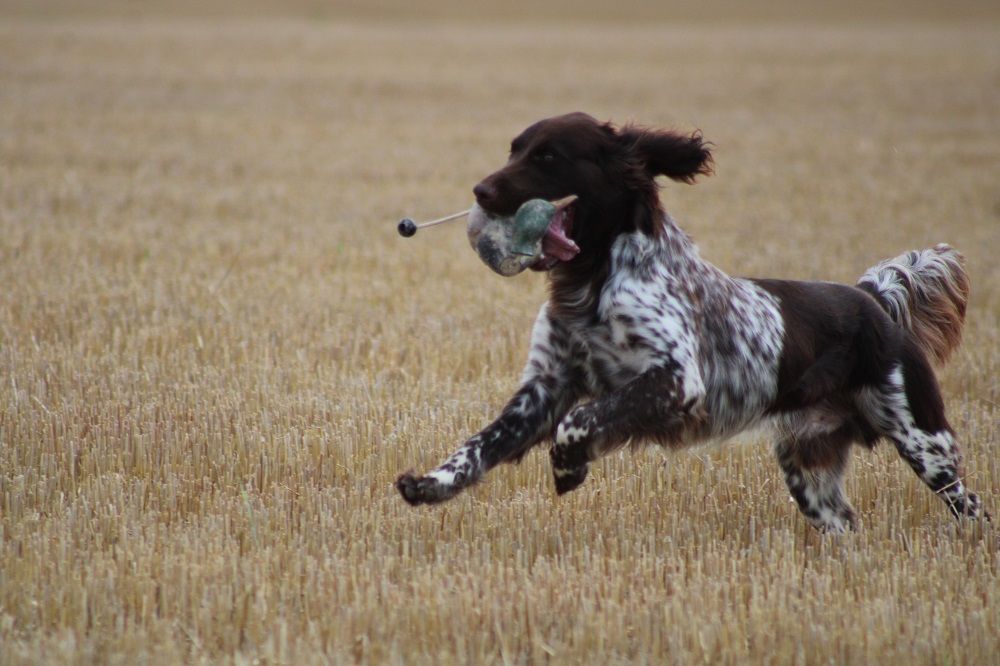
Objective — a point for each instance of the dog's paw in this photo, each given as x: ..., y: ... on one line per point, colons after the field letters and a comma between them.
x: 971, y: 507
x: 423, y: 489
x: 569, y: 479
x: 843, y: 522
x: 569, y: 463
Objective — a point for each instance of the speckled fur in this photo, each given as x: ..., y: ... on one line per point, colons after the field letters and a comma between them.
x: 644, y: 341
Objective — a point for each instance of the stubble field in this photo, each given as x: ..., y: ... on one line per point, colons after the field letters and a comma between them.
x: 216, y: 354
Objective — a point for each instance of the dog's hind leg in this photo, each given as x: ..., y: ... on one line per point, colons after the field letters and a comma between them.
x: 936, y: 460
x: 907, y: 408
x: 813, y: 463
x: 652, y: 406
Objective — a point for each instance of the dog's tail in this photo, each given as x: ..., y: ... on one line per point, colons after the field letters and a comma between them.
x: 924, y: 291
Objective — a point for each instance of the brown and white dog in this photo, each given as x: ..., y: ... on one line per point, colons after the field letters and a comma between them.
x: 642, y: 340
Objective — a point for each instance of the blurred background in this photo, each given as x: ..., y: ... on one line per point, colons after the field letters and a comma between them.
x: 216, y: 354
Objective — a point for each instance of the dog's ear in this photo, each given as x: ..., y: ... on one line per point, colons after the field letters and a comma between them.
x: 665, y: 153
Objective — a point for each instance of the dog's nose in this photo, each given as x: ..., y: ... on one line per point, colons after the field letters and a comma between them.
x: 485, y: 193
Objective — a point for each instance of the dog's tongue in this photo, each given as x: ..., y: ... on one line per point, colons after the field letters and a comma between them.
x: 555, y: 242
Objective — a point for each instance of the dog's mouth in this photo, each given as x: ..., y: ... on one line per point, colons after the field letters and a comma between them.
x: 510, y: 244
x: 557, y: 246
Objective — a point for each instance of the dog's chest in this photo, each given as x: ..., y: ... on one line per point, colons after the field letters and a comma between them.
x: 638, y: 326
x: 613, y: 355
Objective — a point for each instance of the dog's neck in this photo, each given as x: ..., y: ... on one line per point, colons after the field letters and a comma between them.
x: 650, y: 240
x: 574, y: 286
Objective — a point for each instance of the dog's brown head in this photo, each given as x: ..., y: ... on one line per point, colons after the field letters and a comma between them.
x: 612, y: 171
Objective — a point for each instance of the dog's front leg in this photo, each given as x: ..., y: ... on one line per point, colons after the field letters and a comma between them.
x: 525, y: 420
x: 653, y: 406
x: 549, y: 388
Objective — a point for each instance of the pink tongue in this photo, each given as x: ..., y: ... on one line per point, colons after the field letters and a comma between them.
x: 556, y: 244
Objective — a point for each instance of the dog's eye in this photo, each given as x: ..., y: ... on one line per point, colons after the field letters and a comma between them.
x: 544, y: 156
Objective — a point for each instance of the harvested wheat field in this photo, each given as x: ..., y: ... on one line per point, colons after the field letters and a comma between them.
x: 216, y: 354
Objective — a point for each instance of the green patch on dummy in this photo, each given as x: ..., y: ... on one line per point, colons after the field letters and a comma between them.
x: 530, y: 222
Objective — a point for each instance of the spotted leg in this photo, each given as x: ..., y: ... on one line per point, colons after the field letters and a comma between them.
x: 652, y: 406
x: 549, y: 388
x: 908, y: 410
x: 936, y: 459
x: 814, y: 473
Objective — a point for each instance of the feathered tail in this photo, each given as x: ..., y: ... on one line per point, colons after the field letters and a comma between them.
x: 925, y: 291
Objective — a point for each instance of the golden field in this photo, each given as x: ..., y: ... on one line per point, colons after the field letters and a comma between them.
x: 216, y: 354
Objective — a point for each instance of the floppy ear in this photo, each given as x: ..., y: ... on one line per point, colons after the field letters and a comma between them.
x: 668, y: 153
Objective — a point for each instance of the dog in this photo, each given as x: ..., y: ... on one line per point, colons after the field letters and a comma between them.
x: 641, y: 340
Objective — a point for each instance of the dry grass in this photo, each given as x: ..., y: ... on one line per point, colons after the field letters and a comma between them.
x: 215, y: 354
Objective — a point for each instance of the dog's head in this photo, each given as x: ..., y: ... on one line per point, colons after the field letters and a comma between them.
x: 612, y: 171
